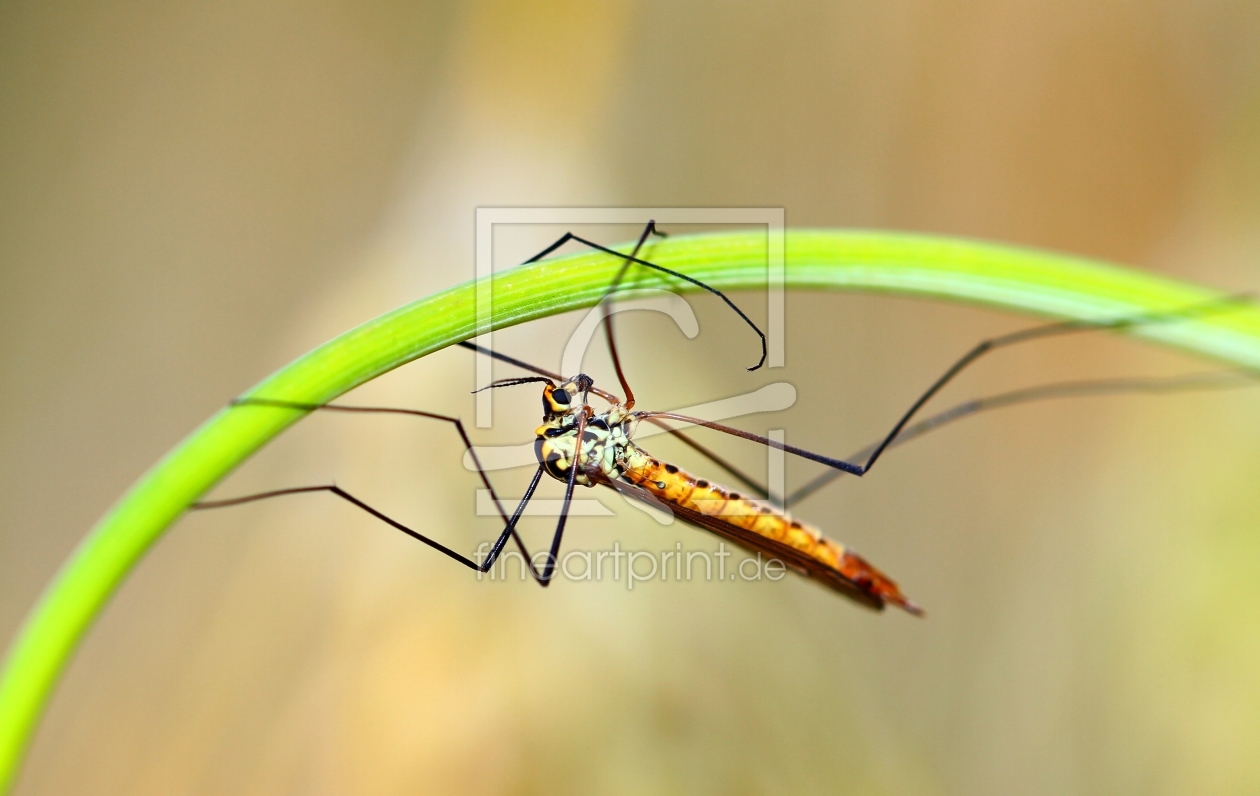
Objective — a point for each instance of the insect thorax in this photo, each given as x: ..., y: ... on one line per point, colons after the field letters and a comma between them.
x: 604, y: 444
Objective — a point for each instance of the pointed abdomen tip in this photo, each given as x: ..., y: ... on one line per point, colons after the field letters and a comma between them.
x: 909, y: 606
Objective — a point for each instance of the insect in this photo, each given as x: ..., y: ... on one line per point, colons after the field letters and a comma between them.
x: 580, y: 446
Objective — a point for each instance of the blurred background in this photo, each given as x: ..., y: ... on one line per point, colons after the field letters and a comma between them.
x: 193, y: 195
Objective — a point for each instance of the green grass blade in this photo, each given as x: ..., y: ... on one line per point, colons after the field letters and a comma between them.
x: 1006, y: 277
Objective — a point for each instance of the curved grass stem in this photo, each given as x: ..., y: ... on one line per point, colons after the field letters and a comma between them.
x: 1006, y: 277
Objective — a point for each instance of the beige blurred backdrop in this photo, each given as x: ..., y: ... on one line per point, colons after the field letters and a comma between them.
x: 194, y: 195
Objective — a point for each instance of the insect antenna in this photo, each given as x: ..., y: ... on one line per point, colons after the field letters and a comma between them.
x: 516, y: 382
x: 607, y: 396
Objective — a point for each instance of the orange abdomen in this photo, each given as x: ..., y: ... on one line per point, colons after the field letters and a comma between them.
x: 748, y: 522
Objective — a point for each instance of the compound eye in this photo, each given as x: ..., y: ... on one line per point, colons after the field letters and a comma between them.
x: 560, y: 396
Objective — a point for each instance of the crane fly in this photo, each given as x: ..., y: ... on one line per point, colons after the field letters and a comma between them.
x: 579, y: 446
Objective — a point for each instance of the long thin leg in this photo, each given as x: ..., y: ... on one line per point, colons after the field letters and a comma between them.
x: 633, y: 258
x: 650, y: 229
x: 1229, y: 379
x: 556, y: 377
x: 1036, y: 332
x: 687, y: 440
x: 502, y: 540
x: 905, y: 434
x: 455, y: 421
x: 509, y: 529
x: 459, y: 427
x: 839, y: 464
x: 1212, y: 380
x: 552, y: 556
x: 738, y: 474
x: 549, y: 568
